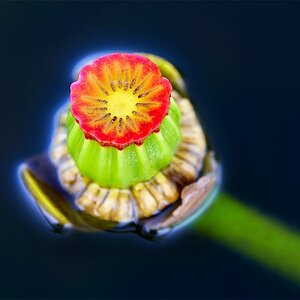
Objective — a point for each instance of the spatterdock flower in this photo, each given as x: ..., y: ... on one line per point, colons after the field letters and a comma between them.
x: 128, y: 153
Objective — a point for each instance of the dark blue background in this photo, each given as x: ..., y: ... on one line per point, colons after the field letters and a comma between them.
x: 241, y: 61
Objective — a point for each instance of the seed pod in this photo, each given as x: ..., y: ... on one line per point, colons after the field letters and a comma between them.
x: 130, y: 174
x: 146, y: 198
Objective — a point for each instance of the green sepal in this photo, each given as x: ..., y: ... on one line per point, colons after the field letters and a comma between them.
x: 111, y: 167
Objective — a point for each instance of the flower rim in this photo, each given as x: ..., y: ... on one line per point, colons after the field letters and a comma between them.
x: 120, y: 99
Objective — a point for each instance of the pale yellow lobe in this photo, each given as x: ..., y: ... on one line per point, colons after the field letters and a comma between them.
x: 121, y: 104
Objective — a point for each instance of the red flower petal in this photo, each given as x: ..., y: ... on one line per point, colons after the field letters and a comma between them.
x: 120, y: 99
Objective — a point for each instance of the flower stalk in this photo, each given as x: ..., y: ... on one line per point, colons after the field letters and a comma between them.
x: 253, y: 234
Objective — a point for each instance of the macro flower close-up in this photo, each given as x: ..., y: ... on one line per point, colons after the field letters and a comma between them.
x: 149, y: 150
x: 128, y: 152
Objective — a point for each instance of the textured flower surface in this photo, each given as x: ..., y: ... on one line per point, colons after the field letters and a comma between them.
x: 174, y: 195
x: 120, y: 99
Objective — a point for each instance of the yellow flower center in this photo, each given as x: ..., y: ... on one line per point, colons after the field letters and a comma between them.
x: 121, y: 104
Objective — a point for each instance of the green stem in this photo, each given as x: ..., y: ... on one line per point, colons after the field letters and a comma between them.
x: 249, y: 232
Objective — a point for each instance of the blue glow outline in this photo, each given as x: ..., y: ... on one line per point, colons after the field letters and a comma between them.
x: 37, y: 210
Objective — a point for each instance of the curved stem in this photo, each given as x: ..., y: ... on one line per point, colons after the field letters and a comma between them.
x: 251, y: 233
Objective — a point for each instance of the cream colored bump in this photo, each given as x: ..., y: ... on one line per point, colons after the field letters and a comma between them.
x: 193, y: 148
x: 60, y: 136
x: 100, y: 197
x: 193, y: 143
x: 189, y: 157
x: 63, y: 118
x: 124, y: 211
x: 146, y: 203
x: 58, y: 148
x: 192, y: 140
x: 196, y: 138
x: 168, y: 187
x: 185, y: 106
x: 175, y: 95
x: 184, y: 169
x: 188, y: 118
x: 98, y: 202
x: 66, y: 164
x: 192, y: 130
x: 156, y: 191
x: 189, y: 123
x: 105, y: 210
x: 192, y: 154
x: 58, y: 152
x: 69, y: 175
x: 91, y: 197
x: 76, y: 187
x: 174, y: 177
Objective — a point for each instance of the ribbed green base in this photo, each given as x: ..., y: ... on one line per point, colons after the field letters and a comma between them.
x: 110, y: 167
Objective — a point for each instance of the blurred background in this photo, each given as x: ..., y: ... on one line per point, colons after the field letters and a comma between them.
x: 241, y: 62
